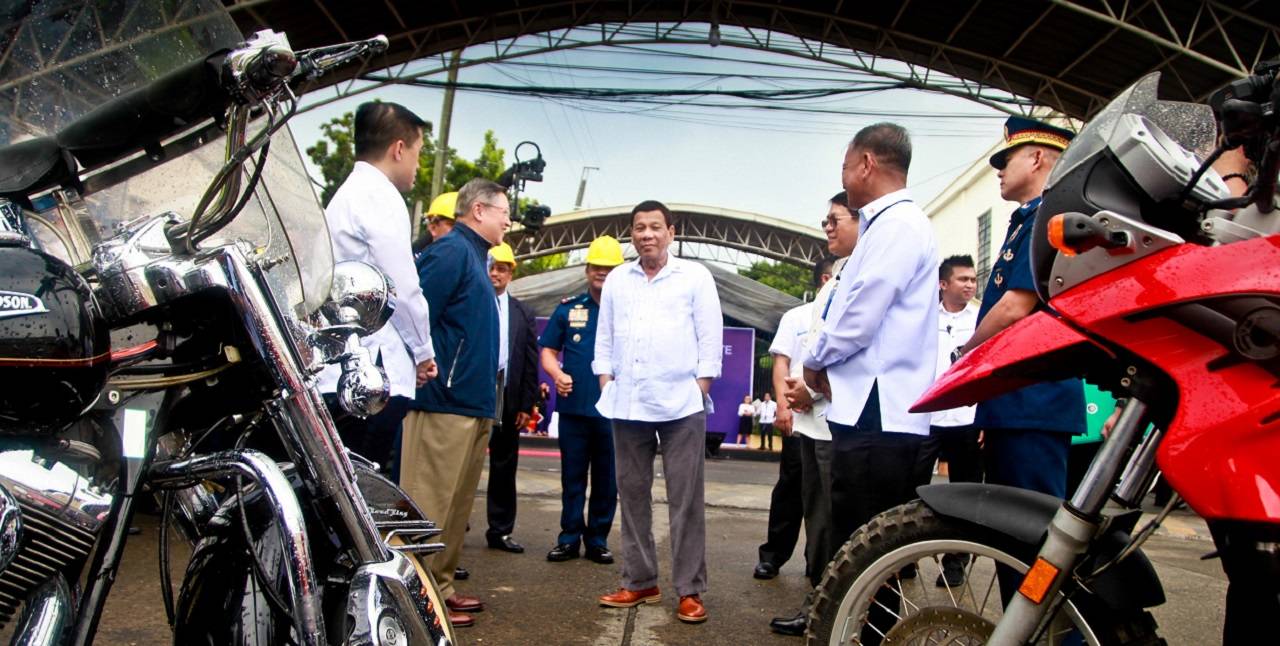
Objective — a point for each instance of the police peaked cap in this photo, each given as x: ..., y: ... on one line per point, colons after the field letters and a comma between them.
x: 1021, y: 130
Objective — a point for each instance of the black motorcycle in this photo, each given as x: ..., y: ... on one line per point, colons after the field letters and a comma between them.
x: 167, y: 297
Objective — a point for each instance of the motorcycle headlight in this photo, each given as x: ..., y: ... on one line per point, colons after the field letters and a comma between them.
x: 360, y: 295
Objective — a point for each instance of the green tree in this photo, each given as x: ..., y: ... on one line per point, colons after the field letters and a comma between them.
x: 784, y: 277
x: 541, y: 264
x: 335, y: 155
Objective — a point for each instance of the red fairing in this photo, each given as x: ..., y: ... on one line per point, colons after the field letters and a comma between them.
x: 1221, y: 451
x: 1027, y: 352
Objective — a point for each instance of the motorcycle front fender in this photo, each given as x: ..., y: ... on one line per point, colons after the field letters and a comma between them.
x: 1025, y: 516
x: 1038, y: 348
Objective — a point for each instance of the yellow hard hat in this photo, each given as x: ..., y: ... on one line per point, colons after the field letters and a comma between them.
x: 604, y: 251
x: 443, y: 205
x: 503, y: 253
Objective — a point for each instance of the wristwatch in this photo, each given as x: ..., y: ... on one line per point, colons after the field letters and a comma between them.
x: 956, y: 354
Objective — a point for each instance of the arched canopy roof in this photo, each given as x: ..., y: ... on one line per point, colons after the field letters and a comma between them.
x: 751, y: 233
x: 743, y: 301
x: 1069, y: 55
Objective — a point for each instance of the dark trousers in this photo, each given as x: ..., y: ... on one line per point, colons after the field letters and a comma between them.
x: 815, y: 458
x: 504, y: 457
x: 766, y: 433
x: 958, y: 446
x: 586, y: 452
x: 786, y: 506
x: 376, y: 437
x: 1079, y: 457
x: 871, y: 471
x: 1029, y: 459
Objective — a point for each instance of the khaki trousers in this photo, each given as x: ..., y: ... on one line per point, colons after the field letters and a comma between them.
x: 441, y: 457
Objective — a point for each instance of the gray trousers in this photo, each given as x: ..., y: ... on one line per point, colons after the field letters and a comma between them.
x: 815, y: 491
x: 634, y: 446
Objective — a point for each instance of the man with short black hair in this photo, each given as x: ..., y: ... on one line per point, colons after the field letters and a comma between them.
x: 368, y: 221
x: 952, y: 435
x: 447, y: 429
x: 659, y: 345
x: 808, y: 408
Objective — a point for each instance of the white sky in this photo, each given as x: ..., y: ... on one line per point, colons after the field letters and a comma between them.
x: 779, y: 163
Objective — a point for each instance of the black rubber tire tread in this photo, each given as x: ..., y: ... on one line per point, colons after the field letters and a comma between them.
x: 915, y: 522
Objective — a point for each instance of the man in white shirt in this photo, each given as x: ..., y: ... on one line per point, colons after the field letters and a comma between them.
x: 368, y: 221
x: 767, y: 411
x: 875, y: 352
x: 808, y: 408
x: 659, y: 345
x: 952, y: 436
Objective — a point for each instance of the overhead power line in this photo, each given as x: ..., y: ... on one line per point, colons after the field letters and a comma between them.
x: 657, y: 96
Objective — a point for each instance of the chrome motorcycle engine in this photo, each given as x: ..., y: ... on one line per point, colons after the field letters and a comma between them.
x: 49, y: 519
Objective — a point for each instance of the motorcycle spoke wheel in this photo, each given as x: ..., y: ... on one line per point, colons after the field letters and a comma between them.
x: 887, y: 586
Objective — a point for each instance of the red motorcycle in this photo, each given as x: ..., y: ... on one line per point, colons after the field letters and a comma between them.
x: 1164, y: 289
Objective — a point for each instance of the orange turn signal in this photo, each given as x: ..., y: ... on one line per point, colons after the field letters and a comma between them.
x: 1056, y: 237
x: 1039, y: 579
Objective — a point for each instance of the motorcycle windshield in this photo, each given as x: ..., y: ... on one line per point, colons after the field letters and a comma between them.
x: 66, y: 58
x: 1190, y: 125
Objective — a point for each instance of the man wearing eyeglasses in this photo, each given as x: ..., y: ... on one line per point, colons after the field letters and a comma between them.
x: 447, y: 429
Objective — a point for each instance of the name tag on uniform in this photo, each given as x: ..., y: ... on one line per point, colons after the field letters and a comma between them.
x: 578, y: 316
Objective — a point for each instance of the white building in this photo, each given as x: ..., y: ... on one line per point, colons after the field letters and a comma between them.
x: 969, y: 217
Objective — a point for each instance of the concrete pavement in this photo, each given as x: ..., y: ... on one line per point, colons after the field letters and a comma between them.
x: 532, y: 601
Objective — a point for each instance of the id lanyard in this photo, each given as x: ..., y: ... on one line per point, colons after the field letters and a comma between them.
x: 832, y: 295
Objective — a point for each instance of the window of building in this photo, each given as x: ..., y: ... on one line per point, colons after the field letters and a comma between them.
x: 984, y: 250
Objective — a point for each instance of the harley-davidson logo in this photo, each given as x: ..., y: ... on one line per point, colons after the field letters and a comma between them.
x: 19, y: 304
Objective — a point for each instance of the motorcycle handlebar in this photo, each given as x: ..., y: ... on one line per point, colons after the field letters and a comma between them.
x: 198, y: 91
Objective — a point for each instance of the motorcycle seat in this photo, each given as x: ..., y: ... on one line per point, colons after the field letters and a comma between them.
x: 33, y: 165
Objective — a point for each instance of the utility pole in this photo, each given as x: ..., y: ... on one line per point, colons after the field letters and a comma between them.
x: 582, y: 186
x: 446, y: 116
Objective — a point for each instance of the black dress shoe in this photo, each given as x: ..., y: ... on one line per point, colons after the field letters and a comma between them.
x: 765, y: 570
x: 793, y: 626
x: 461, y: 574
x: 505, y: 544
x: 600, y: 555
x: 563, y: 552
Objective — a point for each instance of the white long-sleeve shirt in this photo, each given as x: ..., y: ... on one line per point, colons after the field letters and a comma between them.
x: 656, y: 338
x: 880, y: 325
x: 954, y: 330
x: 368, y: 221
x: 792, y: 341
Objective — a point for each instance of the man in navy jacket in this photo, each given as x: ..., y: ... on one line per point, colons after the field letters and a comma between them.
x: 447, y: 428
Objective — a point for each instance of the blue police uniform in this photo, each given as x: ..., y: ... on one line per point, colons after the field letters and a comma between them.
x: 1028, y: 431
x: 586, y: 438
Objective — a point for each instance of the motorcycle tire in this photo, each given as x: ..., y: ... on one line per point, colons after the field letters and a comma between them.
x: 900, y: 550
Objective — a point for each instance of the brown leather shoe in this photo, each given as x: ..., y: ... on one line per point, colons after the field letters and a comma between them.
x: 691, y: 610
x: 463, y: 603
x: 460, y: 620
x: 625, y: 598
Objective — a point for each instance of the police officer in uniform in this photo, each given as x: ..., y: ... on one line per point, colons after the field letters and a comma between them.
x: 586, y: 438
x: 1027, y: 433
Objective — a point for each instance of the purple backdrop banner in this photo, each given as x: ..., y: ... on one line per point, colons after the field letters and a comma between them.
x: 735, y: 382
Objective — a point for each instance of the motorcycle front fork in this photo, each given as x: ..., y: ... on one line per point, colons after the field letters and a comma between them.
x: 1078, y: 522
